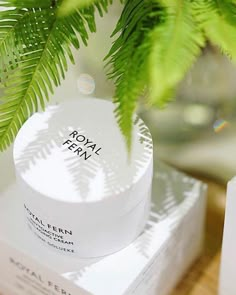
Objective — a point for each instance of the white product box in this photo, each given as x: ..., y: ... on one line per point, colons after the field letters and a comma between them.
x: 151, y: 265
x: 228, y: 265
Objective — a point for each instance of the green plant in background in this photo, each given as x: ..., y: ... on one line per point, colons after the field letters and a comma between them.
x: 156, y: 43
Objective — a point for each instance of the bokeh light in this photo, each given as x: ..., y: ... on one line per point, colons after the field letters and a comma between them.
x: 220, y: 124
x: 86, y: 84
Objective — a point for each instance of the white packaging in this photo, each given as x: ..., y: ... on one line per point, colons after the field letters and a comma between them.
x: 151, y: 265
x: 228, y: 258
x: 83, y: 193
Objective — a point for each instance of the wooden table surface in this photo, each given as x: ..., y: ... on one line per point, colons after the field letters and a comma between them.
x: 203, y: 277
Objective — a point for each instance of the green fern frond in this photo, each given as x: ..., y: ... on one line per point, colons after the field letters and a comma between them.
x: 28, y: 3
x: 128, y: 58
x: 177, y: 42
x: 218, y: 20
x: 68, y: 6
x: 228, y: 10
x: 9, y: 23
x: 43, y: 41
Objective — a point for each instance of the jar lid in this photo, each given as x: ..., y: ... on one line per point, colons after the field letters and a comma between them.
x: 74, y: 152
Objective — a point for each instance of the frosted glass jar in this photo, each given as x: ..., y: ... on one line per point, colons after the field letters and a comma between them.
x: 82, y: 193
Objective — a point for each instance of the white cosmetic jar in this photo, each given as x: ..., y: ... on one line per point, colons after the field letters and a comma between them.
x: 82, y: 192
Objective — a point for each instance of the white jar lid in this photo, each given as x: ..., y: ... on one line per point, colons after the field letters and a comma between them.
x: 74, y: 152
